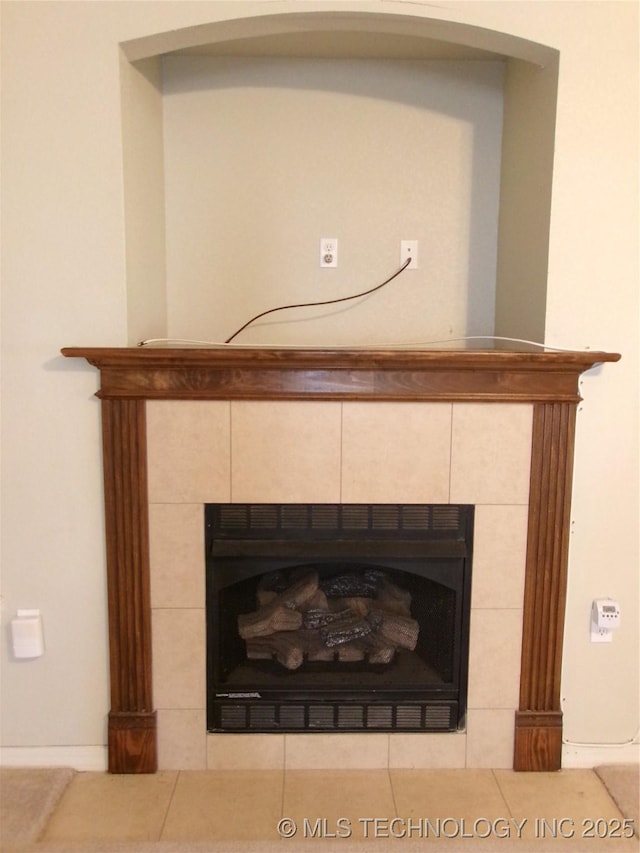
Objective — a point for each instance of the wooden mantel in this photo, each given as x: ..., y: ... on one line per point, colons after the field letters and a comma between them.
x: 247, y: 373
x: 130, y: 376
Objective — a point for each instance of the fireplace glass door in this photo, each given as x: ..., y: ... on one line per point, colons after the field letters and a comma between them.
x: 337, y: 617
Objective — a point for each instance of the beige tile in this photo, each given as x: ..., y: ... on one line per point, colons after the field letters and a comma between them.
x: 396, y: 452
x: 455, y: 794
x: 499, y: 555
x: 337, y: 802
x: 490, y: 453
x: 286, y: 451
x: 336, y: 751
x: 179, y: 655
x: 182, y: 739
x: 430, y: 750
x: 494, y: 658
x: 569, y: 799
x: 245, y: 752
x: 103, y: 807
x: 176, y: 545
x: 188, y: 446
x: 490, y: 738
x: 225, y: 805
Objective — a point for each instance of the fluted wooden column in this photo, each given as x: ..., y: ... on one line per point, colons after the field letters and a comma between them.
x: 538, y: 733
x: 132, y: 720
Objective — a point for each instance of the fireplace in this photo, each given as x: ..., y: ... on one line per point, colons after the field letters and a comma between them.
x: 337, y: 617
x: 493, y: 429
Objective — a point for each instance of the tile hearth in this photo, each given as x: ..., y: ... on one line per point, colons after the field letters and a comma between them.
x: 232, y: 806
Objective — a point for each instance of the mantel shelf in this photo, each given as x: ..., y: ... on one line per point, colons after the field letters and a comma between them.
x: 485, y: 375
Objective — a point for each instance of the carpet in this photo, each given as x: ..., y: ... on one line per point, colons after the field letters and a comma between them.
x: 27, y: 800
x: 622, y: 781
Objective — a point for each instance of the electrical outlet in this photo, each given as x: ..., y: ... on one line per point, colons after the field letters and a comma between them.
x: 328, y: 252
x: 409, y: 251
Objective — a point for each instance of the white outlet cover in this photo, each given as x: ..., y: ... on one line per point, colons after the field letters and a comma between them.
x: 409, y: 249
x: 328, y: 252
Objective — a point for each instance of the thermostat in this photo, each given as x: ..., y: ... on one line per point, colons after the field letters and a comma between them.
x: 605, y: 618
x: 26, y: 635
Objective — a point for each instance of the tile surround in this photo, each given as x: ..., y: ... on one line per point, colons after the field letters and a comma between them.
x: 189, y: 451
x: 490, y: 452
x: 396, y: 453
x: 177, y: 555
x: 285, y: 452
x: 366, y: 750
x: 490, y: 735
x: 206, y: 451
x: 179, y: 658
x: 184, y: 740
x: 245, y: 752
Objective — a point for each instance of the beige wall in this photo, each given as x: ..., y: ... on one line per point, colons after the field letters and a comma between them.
x: 525, y: 199
x: 64, y: 283
x: 263, y: 156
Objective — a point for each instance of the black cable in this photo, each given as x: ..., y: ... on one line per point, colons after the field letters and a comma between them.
x: 313, y: 304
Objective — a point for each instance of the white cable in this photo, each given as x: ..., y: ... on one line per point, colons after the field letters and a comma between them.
x: 193, y: 342
x: 396, y: 345
x: 618, y: 744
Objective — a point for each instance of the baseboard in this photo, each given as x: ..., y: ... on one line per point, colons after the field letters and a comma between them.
x: 76, y: 757
x: 574, y: 755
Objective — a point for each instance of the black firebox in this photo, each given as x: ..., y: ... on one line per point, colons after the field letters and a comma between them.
x: 337, y: 617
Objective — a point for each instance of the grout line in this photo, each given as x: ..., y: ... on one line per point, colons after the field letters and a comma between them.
x: 450, y: 450
x: 393, y: 794
x: 284, y: 777
x: 230, y: 492
x: 284, y: 752
x: 502, y: 794
x: 340, y: 472
x: 169, y: 804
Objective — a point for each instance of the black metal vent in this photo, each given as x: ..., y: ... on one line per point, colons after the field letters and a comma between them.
x: 264, y: 520
x: 322, y: 717
x: 380, y: 717
x: 262, y: 717
x: 249, y: 716
x: 409, y: 717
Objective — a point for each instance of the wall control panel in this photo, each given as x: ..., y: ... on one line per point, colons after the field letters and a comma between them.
x: 27, y: 638
x: 605, y: 619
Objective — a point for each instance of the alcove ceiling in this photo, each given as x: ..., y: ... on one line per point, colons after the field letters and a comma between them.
x: 349, y: 44
x: 339, y: 35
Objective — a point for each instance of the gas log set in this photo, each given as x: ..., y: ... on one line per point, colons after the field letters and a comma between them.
x: 348, y: 617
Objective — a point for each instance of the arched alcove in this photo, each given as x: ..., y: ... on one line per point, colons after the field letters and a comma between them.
x: 440, y: 131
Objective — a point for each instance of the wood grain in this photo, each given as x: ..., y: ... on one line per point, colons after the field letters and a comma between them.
x: 545, y: 587
x: 255, y: 374
x: 131, y: 722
